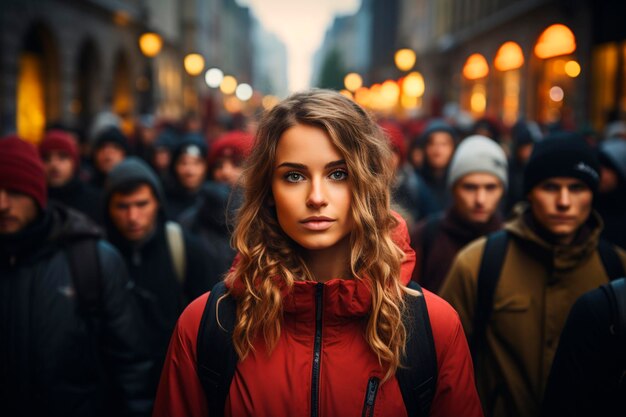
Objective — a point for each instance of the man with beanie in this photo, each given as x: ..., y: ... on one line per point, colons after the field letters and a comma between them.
x: 71, y: 335
x: 514, y: 289
x: 167, y: 266
x: 477, y: 180
x: 110, y: 147
x: 61, y: 160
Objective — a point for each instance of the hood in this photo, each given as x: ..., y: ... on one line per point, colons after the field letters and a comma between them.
x: 563, y: 257
x: 131, y: 169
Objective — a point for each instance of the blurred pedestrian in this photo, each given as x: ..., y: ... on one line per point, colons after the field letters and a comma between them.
x: 71, y: 340
x: 524, y: 135
x: 410, y: 195
x: 438, y: 141
x: 109, y: 149
x: 61, y: 160
x: 167, y: 266
x: 212, y: 217
x: 318, y: 294
x: 477, y: 181
x: 588, y: 375
x: 611, y: 199
x: 513, y: 290
x: 188, y: 171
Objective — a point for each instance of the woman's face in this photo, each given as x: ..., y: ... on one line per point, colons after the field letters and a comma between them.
x: 439, y: 149
x: 311, y: 190
x: 190, y: 170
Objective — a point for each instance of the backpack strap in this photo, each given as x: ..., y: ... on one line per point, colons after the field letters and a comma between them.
x: 418, y: 376
x: 216, y: 356
x: 488, y: 276
x: 428, y: 238
x: 176, y: 245
x: 610, y: 259
x: 618, y: 299
x: 86, y: 275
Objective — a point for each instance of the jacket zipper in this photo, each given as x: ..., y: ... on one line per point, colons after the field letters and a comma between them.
x: 370, y: 397
x: 317, y: 351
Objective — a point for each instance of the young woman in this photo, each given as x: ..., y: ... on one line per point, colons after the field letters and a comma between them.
x: 320, y: 281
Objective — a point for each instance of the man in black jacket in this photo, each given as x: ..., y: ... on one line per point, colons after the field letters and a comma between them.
x: 167, y: 265
x: 61, y: 355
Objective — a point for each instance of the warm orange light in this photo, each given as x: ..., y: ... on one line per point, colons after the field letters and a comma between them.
x: 362, y: 96
x: 228, y: 85
x: 269, y: 102
x: 346, y: 93
x: 475, y: 67
x: 413, y: 85
x: 390, y: 93
x: 353, y: 81
x: 572, y: 69
x: 404, y: 59
x: 31, y: 112
x: 556, y: 40
x: 150, y: 44
x: 194, y: 64
x: 509, y: 57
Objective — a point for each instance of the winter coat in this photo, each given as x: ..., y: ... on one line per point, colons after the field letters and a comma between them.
x: 280, y: 383
x: 450, y: 235
x: 587, y: 376
x: 538, y: 284
x: 55, y: 361
x: 211, y: 220
x: 79, y: 196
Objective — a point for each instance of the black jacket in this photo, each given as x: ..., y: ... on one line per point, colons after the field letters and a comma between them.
x: 79, y: 196
x: 53, y: 360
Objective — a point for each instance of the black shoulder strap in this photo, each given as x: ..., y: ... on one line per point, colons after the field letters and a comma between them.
x: 488, y: 276
x: 417, y: 377
x: 216, y: 356
x: 428, y: 237
x: 618, y: 299
x: 611, y: 260
x: 86, y: 275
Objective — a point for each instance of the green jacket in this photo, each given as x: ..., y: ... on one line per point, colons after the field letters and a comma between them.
x: 538, y: 284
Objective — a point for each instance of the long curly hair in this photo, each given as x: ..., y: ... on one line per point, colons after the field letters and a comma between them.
x: 269, y: 263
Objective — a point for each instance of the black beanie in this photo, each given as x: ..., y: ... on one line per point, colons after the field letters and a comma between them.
x: 112, y: 135
x: 562, y: 155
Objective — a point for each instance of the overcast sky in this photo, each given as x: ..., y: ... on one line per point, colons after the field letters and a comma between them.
x: 301, y: 25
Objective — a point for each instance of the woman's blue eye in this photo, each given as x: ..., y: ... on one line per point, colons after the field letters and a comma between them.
x: 293, y: 177
x: 338, y: 175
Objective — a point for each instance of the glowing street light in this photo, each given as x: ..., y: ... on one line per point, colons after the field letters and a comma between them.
x: 404, y: 59
x: 353, y: 81
x: 413, y: 85
x: 228, y: 85
x: 243, y: 92
x: 194, y: 64
x: 150, y: 44
x: 214, y: 77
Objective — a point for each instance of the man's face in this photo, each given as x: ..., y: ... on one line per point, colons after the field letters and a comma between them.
x: 134, y: 215
x: 107, y: 156
x: 476, y: 196
x: 59, y: 168
x: 561, y: 205
x: 17, y: 211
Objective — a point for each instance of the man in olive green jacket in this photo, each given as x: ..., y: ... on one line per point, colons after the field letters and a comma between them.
x: 551, y: 258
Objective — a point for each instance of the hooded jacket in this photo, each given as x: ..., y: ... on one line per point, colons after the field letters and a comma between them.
x: 53, y: 360
x: 281, y: 383
x: 160, y: 293
x: 539, y: 282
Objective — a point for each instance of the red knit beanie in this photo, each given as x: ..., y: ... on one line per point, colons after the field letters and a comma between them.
x: 58, y: 140
x: 236, y: 145
x: 21, y: 169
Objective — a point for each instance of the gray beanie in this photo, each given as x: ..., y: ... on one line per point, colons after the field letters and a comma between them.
x: 476, y: 154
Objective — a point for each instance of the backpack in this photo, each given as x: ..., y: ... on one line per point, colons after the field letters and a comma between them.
x: 489, y: 274
x: 217, y: 359
x: 176, y: 246
x: 86, y: 273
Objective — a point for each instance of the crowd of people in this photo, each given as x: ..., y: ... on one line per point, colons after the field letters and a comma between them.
x: 322, y: 227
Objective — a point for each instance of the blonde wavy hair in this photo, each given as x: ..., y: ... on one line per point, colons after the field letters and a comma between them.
x: 269, y: 263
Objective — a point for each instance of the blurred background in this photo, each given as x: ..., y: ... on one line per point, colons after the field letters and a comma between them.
x: 212, y: 62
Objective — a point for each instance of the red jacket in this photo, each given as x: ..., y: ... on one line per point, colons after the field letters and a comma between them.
x: 279, y: 384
